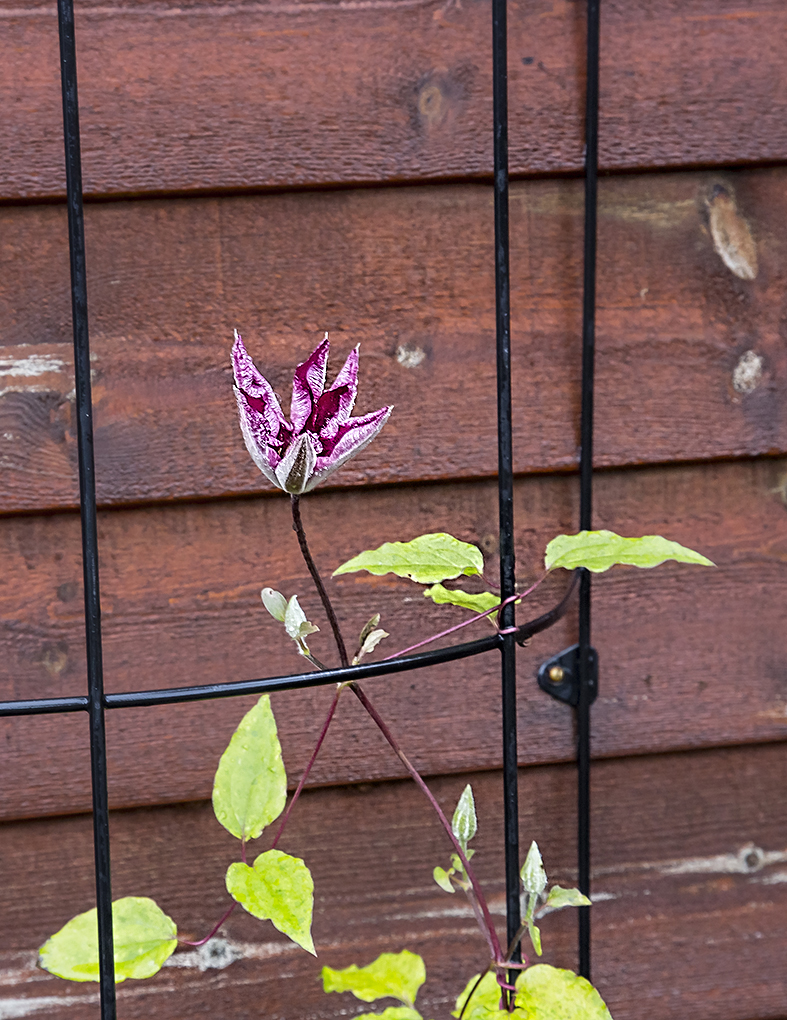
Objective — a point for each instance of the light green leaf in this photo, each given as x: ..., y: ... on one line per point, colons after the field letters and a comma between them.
x: 371, y: 641
x: 559, y: 898
x: 534, y: 878
x: 543, y: 993
x: 456, y: 860
x: 250, y: 788
x: 535, y: 935
x: 144, y: 937
x: 464, y: 824
x: 443, y: 879
x: 275, y: 603
x: 485, y: 998
x: 297, y: 626
x: 600, y: 550
x: 477, y: 603
x: 368, y: 628
x: 426, y: 559
x: 392, y: 1013
x: 548, y: 993
x: 279, y: 888
x: 395, y: 975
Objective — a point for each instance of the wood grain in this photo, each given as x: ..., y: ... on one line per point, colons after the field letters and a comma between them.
x: 408, y: 272
x: 178, y: 98
x: 689, y: 656
x: 689, y: 866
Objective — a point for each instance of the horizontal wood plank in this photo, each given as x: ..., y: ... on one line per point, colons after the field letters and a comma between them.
x: 179, y: 98
x: 688, y: 869
x: 691, y: 358
x: 689, y: 656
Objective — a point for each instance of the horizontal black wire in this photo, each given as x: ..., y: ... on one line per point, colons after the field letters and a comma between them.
x: 235, y: 688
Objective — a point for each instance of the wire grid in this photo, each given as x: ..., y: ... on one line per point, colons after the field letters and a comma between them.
x: 96, y: 702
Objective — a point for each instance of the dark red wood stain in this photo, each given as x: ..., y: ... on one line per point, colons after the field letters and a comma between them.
x: 231, y: 142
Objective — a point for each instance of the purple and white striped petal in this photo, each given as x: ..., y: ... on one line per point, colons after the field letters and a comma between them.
x: 308, y: 384
x: 351, y: 439
x: 348, y: 376
x: 255, y: 433
x: 257, y: 389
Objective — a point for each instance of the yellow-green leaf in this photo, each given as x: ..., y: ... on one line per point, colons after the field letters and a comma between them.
x: 392, y: 1013
x: 480, y: 603
x: 394, y: 975
x: 543, y: 993
x: 559, y: 898
x: 144, y: 937
x: 485, y: 998
x: 250, y: 788
x: 279, y: 888
x: 600, y: 550
x: 443, y: 879
x: 549, y: 993
x: 426, y: 559
x: 535, y: 935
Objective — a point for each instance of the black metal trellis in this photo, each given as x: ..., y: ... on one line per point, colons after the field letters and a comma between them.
x: 96, y: 701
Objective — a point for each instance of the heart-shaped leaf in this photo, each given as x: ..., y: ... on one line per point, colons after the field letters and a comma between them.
x: 278, y: 888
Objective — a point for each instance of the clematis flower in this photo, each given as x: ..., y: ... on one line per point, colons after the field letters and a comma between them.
x: 298, y: 454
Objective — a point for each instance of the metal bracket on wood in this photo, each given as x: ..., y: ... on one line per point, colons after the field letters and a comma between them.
x: 559, y: 676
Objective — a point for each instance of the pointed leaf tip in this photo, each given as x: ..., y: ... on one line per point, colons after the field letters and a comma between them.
x: 600, y: 550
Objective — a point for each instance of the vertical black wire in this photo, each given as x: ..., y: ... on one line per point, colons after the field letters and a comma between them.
x: 505, y: 463
x: 586, y: 476
x: 87, y: 502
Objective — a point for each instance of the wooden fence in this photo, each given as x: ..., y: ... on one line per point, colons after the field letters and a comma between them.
x: 287, y: 168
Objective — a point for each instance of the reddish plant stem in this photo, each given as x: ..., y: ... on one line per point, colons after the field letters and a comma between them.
x: 466, y: 623
x: 297, y: 527
x: 213, y: 930
x: 383, y: 728
x: 307, y: 770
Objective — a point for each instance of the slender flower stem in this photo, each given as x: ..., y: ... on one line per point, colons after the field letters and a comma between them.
x: 515, y: 942
x: 307, y: 770
x: 383, y: 728
x: 214, y: 929
x: 297, y: 527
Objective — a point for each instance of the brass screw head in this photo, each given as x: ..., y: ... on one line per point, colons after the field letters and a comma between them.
x: 556, y: 674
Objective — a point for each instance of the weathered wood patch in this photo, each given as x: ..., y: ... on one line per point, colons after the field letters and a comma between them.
x: 689, y: 862
x: 213, y: 96
x: 691, y: 359
x: 689, y: 655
